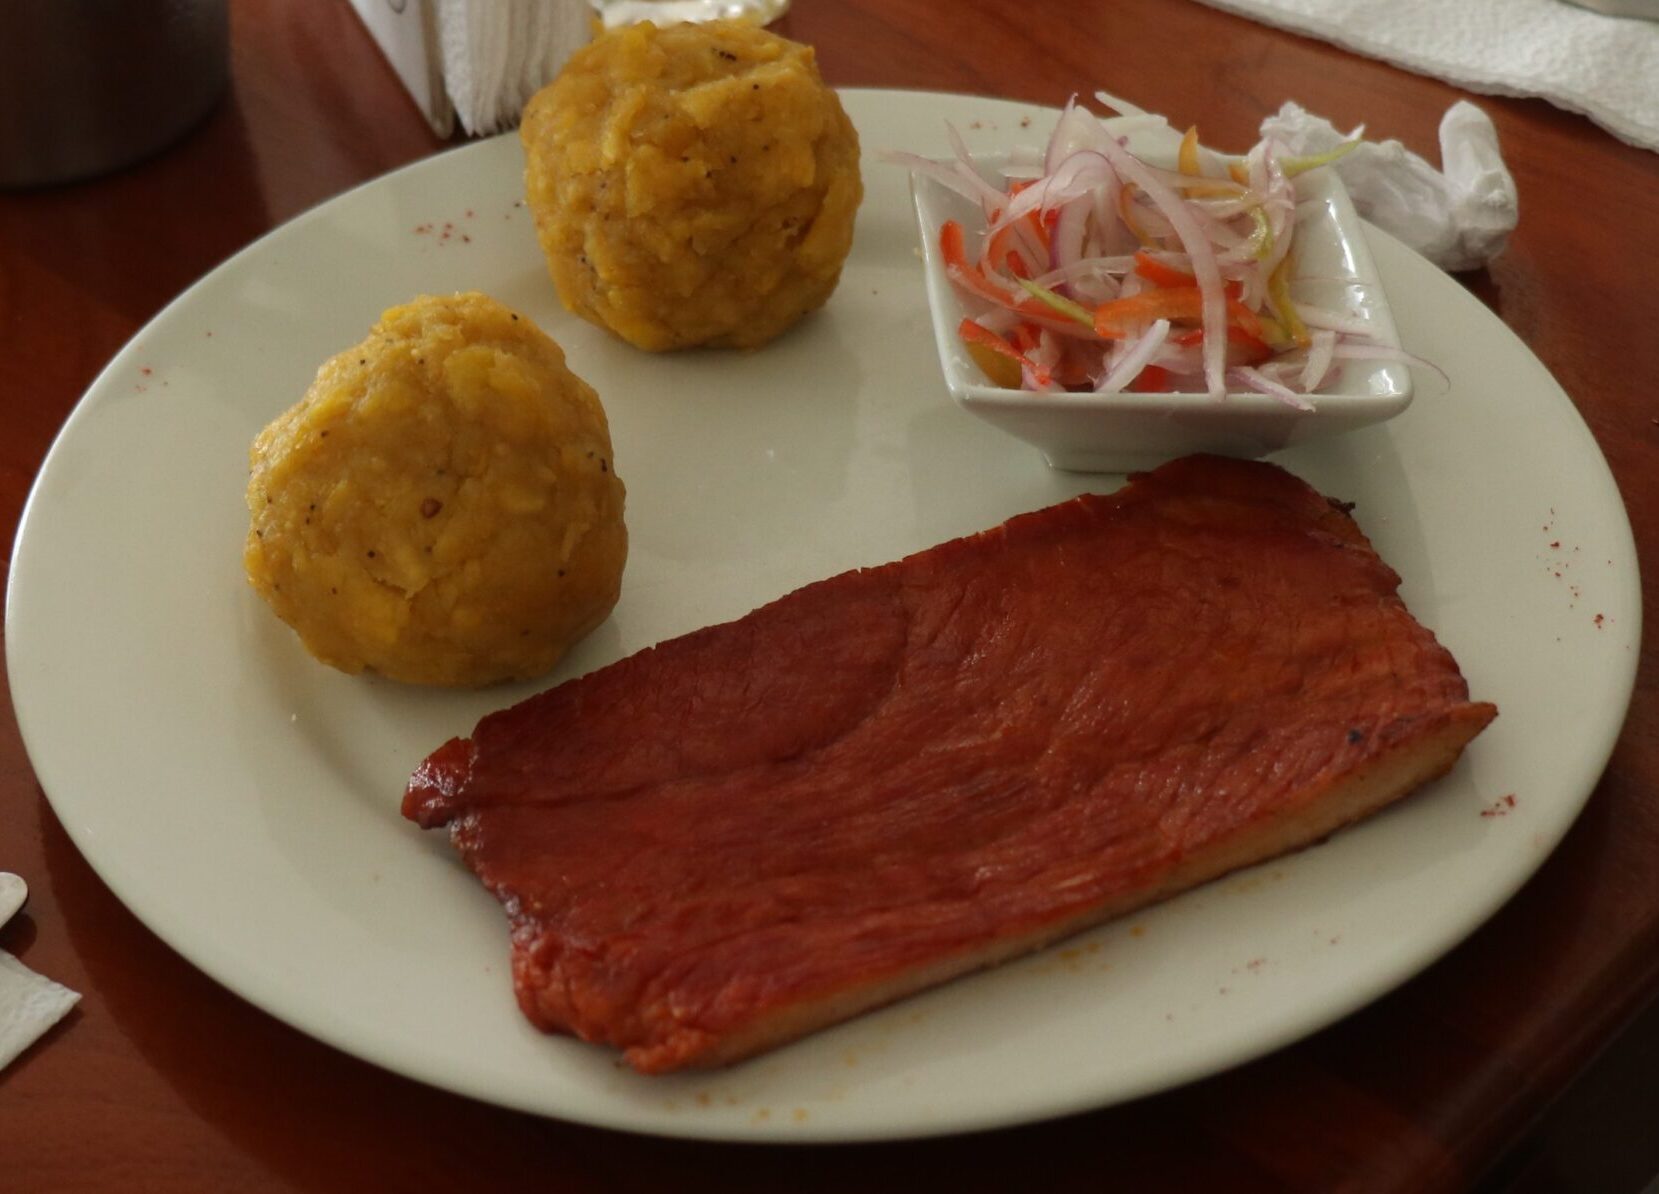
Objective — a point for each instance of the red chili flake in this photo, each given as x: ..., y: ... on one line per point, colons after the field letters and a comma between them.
x: 146, y: 370
x: 1599, y: 620
x: 1557, y: 543
x: 465, y: 239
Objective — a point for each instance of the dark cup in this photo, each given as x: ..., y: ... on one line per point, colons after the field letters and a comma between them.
x: 89, y: 86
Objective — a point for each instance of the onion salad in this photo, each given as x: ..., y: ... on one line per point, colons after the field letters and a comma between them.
x: 1102, y: 272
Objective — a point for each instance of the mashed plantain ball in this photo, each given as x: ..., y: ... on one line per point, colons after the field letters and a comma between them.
x: 441, y: 506
x: 692, y: 185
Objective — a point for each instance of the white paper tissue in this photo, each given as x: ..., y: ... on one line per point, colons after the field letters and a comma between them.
x: 1602, y: 66
x: 1459, y: 217
x: 29, y: 1004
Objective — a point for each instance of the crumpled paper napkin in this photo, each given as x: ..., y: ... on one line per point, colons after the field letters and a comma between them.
x: 1599, y: 66
x: 29, y: 1004
x: 1459, y: 216
x: 498, y: 53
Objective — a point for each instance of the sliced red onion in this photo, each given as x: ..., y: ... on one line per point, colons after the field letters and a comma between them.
x: 1254, y: 379
x: 1065, y: 242
x: 988, y: 196
x: 1322, y: 344
x: 1204, y: 266
x: 945, y: 173
x: 1320, y: 317
x: 1135, y: 357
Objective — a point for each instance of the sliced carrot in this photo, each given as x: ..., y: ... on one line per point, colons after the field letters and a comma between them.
x: 1124, y: 317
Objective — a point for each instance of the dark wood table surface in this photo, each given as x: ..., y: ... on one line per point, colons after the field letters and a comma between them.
x: 1528, y: 1059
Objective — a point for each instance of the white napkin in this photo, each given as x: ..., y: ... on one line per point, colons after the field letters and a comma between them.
x: 1606, y: 68
x: 1459, y: 217
x: 498, y: 53
x: 29, y: 1004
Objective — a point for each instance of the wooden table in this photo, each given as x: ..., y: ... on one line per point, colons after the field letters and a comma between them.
x: 162, y: 1080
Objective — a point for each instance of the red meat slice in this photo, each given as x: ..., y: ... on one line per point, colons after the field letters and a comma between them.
x: 900, y: 774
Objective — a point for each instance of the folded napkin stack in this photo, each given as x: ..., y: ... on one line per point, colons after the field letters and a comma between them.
x: 1603, y: 67
x: 497, y: 55
x: 29, y: 1004
x: 476, y: 61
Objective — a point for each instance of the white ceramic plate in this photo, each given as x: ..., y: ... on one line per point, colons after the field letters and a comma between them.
x: 242, y: 800
x: 1094, y: 433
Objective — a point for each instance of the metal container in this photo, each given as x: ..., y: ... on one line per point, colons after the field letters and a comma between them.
x: 89, y: 86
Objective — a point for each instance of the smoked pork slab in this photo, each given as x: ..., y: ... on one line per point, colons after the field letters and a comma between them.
x: 900, y: 774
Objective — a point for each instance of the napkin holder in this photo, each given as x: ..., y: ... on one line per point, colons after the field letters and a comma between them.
x: 407, y: 33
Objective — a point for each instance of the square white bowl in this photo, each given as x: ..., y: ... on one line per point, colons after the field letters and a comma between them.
x: 1114, y: 433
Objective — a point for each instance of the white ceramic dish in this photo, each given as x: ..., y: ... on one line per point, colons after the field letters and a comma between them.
x: 242, y: 800
x: 1122, y: 432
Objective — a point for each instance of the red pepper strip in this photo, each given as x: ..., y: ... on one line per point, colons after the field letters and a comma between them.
x: 1159, y: 274
x: 1252, y: 350
x: 968, y: 276
x: 1154, y: 379
x: 1121, y: 318
x: 1071, y: 373
x: 973, y: 333
x: 1040, y: 222
x: 1003, y: 251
